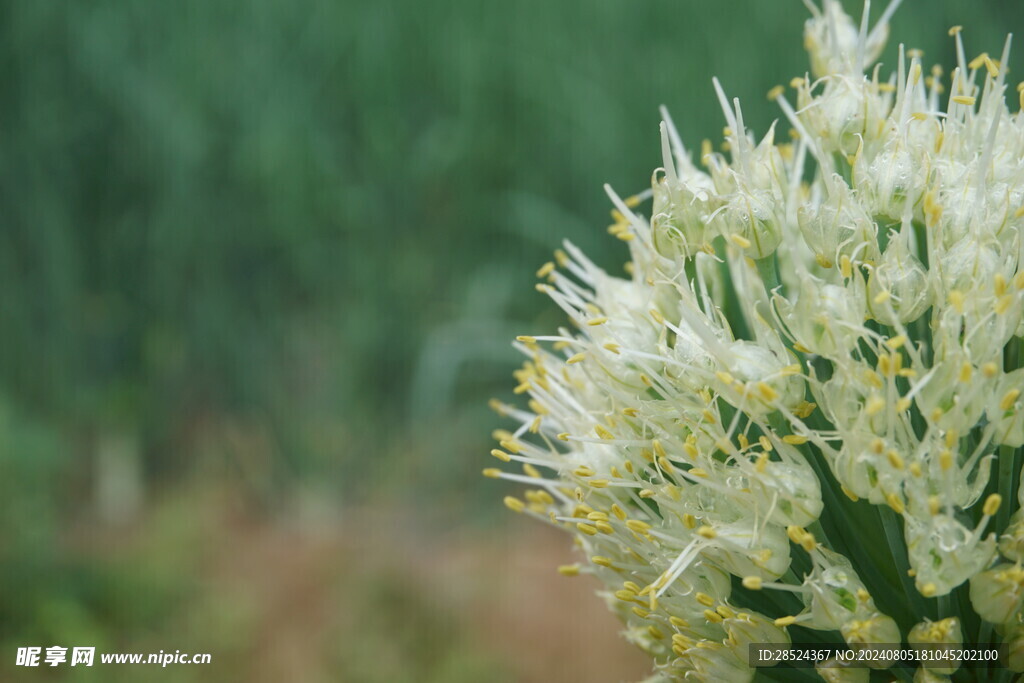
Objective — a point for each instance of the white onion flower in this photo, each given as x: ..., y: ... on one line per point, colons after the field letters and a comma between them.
x: 802, y: 411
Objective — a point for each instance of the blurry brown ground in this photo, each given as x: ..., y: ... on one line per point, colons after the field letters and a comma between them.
x: 365, y: 595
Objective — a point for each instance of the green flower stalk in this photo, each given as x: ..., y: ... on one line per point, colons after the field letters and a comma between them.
x: 800, y: 416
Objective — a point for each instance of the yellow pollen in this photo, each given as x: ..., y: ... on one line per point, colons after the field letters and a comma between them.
x: 740, y: 241
x: 895, y: 460
x: 599, y: 483
x: 646, y: 493
x: 492, y: 472
x: 587, y: 529
x: 794, y: 439
x: 575, y: 358
x: 597, y: 321
x: 601, y: 561
x: 704, y: 599
x: 531, y: 471
x: 966, y: 370
x: 602, y: 432
x: 753, y: 583
x: 526, y: 339
x: 501, y: 455
x: 617, y: 511
x: 514, y: 504
x: 713, y: 617
x: 897, y: 341
x: 956, y: 299
x: 546, y: 269
x: 569, y: 570
x: 874, y: 405
x: 689, y: 521
x: 706, y: 532
x: 945, y: 460
x: 992, y: 504
x: 1008, y: 400
x: 638, y: 526
x: 640, y: 612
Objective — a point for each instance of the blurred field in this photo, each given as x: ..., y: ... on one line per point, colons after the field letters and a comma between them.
x: 260, y: 264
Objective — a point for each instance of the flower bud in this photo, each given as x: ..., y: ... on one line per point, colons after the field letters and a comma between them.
x: 944, y: 632
x: 1011, y: 543
x: 944, y: 553
x: 876, y: 628
x: 997, y: 595
x: 898, y: 288
x: 838, y: 227
x: 1006, y: 409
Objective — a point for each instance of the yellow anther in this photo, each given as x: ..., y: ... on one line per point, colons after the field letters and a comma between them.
x: 1003, y: 304
x: 602, y: 432
x: 915, y: 469
x: 934, y: 505
x: 964, y: 99
x: 640, y: 612
x: 1008, y: 400
x: 587, y: 529
x: 928, y: 590
x: 897, y: 341
x: 712, y: 616
x: 794, y: 439
x: 849, y: 494
x: 709, y: 416
x: 992, y: 504
x: 776, y: 92
x: 945, y: 460
x: 546, y: 269
x: 956, y: 300
x: 877, y: 446
x: 647, y: 493
x: 804, y: 410
x: 785, y: 621
x: 501, y: 455
x: 514, y: 504
x: 597, y: 516
x: 740, y: 241
x: 895, y: 502
x: 874, y: 405
x: 951, y: 438
x: 575, y: 358
x: 526, y: 339
x: 593, y: 322
x: 1018, y: 279
x: 511, y: 445
x: 613, y: 347
x: 999, y: 284
x: 602, y: 561
x: 569, y: 570
x: 617, y: 511
x: 966, y: 370
x: 704, y: 599
x: 882, y: 297
x: 726, y: 612
x: 625, y: 595
x: 657, y: 316
x: 753, y: 583
x: 955, y: 30
x: 706, y: 532
x: 598, y: 483
x: 767, y: 392
x: 638, y: 526
x: 895, y: 460
x: 655, y: 632
x: 659, y: 450
x: 762, y: 463
x: 989, y: 369
x: 542, y: 288
x: 903, y: 404
x: 689, y: 521
x: 977, y: 61
x: 531, y: 471
x: 563, y: 436
x: 492, y: 472
x: 699, y: 472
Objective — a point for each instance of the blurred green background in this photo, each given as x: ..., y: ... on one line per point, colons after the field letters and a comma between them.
x: 260, y: 265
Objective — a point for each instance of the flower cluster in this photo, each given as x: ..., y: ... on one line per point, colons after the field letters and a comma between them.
x: 790, y: 413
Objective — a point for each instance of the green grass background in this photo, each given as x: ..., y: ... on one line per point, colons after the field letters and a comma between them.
x: 260, y: 264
